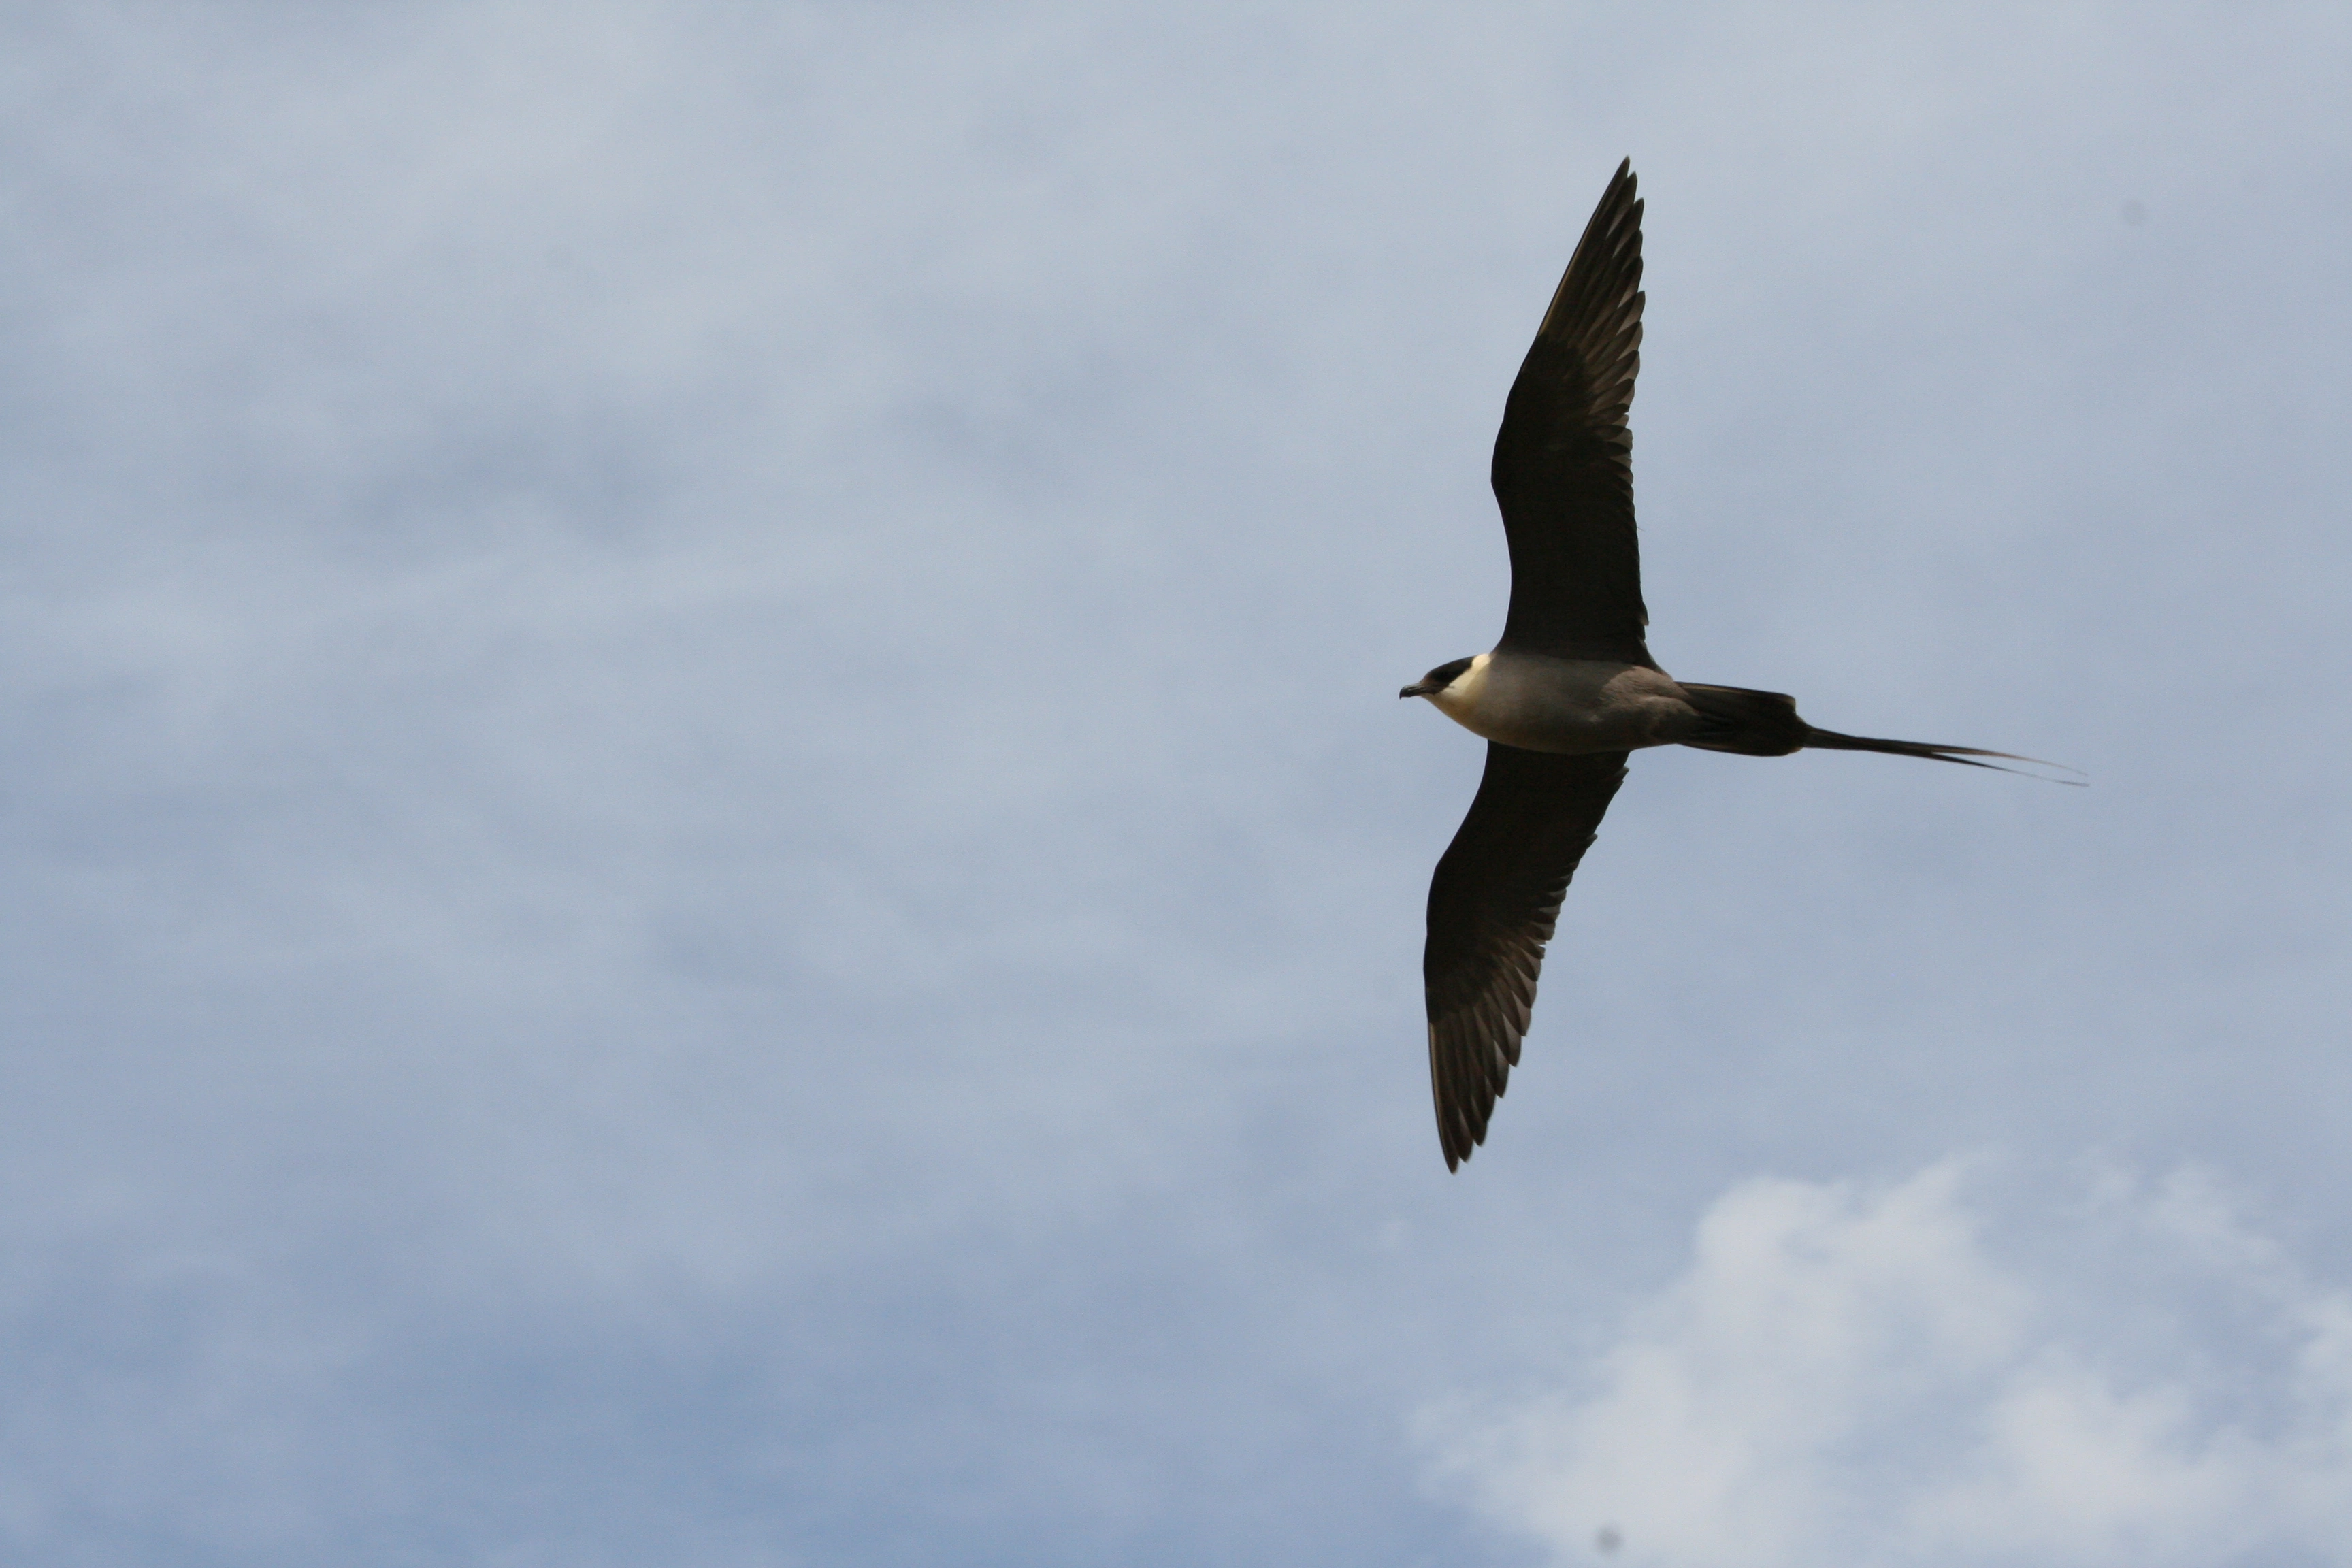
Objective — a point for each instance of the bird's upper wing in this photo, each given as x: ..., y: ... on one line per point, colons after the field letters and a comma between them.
x: 1564, y: 461
x: 1491, y: 908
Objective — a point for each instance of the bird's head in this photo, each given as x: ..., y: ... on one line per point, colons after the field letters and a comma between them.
x: 1438, y: 679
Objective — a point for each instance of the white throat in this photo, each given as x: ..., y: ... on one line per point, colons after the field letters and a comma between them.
x: 1459, y: 700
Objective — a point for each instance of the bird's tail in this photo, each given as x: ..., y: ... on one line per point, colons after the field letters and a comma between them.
x: 1765, y: 725
x: 1830, y: 741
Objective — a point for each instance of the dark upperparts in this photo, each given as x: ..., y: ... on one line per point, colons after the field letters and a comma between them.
x: 1562, y: 469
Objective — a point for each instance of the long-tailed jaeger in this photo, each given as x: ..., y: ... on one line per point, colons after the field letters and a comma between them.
x: 1571, y: 687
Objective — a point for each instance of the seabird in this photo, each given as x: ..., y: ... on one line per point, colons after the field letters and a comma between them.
x: 1570, y: 689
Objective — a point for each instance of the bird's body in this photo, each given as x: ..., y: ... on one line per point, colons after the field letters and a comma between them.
x: 1568, y: 706
x: 1570, y: 689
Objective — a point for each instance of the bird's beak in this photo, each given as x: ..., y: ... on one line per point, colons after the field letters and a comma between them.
x: 1418, y: 689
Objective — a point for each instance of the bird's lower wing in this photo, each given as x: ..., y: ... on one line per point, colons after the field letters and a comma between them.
x: 1491, y: 910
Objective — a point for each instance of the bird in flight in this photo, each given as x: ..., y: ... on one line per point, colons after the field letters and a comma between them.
x: 1570, y: 689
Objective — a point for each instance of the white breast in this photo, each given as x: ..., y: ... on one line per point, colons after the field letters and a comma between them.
x: 1547, y: 704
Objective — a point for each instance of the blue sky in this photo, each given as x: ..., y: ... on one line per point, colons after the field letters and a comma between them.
x: 712, y: 861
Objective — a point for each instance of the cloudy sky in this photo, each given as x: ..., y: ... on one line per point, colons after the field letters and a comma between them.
x: 712, y: 860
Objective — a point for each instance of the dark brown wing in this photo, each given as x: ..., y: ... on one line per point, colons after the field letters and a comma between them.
x: 1491, y: 908
x: 1564, y: 461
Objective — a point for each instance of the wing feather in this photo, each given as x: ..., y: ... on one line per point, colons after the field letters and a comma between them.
x: 1492, y: 907
x: 1563, y: 468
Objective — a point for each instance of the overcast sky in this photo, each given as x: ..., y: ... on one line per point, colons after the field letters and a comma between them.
x: 712, y: 861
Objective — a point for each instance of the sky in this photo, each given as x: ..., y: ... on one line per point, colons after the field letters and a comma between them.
x: 710, y: 858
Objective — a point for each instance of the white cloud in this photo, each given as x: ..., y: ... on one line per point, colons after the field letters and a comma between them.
x: 1855, y: 1375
